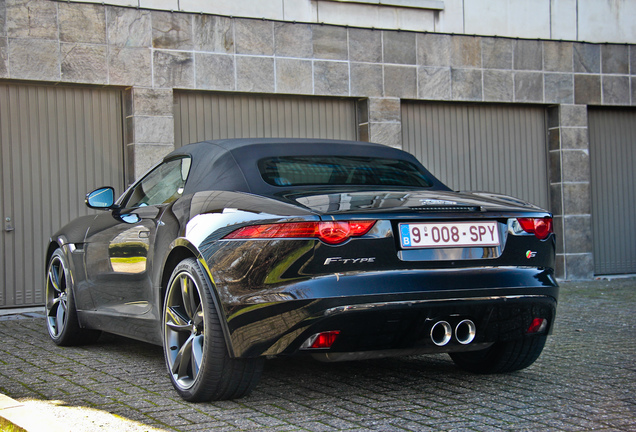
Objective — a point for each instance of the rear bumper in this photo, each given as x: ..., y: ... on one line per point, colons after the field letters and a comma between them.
x: 393, y: 312
x: 407, y: 325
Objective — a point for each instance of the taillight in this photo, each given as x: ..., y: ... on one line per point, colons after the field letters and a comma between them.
x: 321, y: 340
x: 329, y: 232
x: 538, y: 325
x: 540, y: 227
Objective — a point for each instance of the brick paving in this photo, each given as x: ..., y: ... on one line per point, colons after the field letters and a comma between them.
x: 585, y: 380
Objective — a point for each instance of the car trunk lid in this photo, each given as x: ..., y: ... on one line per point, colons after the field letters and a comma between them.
x: 338, y: 204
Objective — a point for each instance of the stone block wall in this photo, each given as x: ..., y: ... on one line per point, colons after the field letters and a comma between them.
x: 570, y: 190
x: 151, y: 53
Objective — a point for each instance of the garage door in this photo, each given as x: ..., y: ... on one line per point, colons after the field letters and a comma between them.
x: 202, y: 116
x: 613, y: 162
x: 56, y: 144
x: 496, y: 148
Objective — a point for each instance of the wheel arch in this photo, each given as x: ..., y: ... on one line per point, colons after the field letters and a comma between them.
x: 53, y: 246
x: 62, y: 243
x: 182, y: 249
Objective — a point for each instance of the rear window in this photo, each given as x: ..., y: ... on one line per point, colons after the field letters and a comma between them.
x: 340, y: 170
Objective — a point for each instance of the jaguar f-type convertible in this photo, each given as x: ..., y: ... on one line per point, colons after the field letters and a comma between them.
x: 229, y: 252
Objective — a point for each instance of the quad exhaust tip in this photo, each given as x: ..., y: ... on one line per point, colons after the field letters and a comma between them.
x: 442, y: 332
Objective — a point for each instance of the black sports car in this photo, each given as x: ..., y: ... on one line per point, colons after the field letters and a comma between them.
x: 231, y: 251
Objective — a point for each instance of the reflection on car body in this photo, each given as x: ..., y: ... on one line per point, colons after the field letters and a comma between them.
x: 231, y: 251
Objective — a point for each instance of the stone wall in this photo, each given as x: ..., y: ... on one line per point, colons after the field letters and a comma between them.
x: 151, y: 53
x: 574, y: 20
x: 570, y: 191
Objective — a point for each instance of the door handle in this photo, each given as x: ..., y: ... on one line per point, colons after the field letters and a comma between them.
x: 8, y: 224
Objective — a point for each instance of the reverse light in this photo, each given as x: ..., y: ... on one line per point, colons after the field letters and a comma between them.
x: 538, y: 325
x: 334, y: 232
x: 540, y: 227
x: 321, y: 340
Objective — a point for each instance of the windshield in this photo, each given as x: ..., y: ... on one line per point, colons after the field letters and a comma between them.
x: 340, y: 170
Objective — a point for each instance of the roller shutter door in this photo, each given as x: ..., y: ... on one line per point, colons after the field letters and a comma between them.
x: 202, y: 116
x: 495, y: 148
x: 613, y: 162
x: 56, y: 144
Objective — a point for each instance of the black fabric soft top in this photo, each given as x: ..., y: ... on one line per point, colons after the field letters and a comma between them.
x: 232, y: 164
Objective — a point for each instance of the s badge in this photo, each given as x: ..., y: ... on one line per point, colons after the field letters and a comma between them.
x: 530, y: 254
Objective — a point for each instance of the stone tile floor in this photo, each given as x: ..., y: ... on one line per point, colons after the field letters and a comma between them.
x: 584, y: 380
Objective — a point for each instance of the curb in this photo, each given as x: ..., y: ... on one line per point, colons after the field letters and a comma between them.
x: 22, y: 418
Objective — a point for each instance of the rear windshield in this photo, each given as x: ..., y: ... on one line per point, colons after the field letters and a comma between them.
x: 340, y: 170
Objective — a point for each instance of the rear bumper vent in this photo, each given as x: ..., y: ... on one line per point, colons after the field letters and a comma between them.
x: 454, y: 209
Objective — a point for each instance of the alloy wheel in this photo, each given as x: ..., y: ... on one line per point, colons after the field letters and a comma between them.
x: 56, y: 297
x: 184, y: 332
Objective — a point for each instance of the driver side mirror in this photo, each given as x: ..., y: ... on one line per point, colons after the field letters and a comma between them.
x: 101, y: 199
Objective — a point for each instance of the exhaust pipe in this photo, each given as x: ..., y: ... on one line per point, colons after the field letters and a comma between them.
x: 441, y: 333
x: 465, y: 332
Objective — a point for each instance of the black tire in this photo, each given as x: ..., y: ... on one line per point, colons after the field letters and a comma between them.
x: 193, y: 343
x: 501, y: 357
x: 61, y: 314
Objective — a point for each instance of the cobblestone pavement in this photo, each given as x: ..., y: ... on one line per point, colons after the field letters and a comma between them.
x: 585, y: 380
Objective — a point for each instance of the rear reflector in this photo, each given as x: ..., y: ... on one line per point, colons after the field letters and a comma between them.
x: 321, y: 340
x: 538, y: 325
x: 540, y: 227
x: 329, y: 232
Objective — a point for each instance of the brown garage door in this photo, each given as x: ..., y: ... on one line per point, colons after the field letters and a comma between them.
x: 496, y: 148
x: 202, y: 116
x: 613, y: 162
x: 56, y: 144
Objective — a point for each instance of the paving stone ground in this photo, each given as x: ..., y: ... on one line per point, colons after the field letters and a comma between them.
x: 585, y: 380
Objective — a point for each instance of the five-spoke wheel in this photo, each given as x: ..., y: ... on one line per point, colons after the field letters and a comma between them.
x: 56, y: 296
x: 184, y: 330
x: 194, y: 346
x: 61, y: 316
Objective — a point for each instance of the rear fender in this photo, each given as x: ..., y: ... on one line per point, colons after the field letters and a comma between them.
x: 180, y: 249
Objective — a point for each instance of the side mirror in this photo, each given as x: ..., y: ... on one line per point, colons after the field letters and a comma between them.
x: 101, y: 199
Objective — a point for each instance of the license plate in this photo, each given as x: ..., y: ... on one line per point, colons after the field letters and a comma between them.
x: 449, y: 234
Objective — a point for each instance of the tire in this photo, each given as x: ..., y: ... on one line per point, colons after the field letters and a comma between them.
x: 501, y: 357
x: 193, y: 343
x: 61, y: 314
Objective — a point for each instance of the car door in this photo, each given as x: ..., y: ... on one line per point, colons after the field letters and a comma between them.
x: 120, y: 242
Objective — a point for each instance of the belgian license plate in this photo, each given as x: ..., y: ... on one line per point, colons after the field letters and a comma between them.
x: 449, y: 234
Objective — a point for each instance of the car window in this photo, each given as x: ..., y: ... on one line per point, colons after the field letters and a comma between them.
x: 162, y: 185
x: 340, y: 170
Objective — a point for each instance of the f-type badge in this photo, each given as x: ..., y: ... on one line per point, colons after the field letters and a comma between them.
x: 340, y: 260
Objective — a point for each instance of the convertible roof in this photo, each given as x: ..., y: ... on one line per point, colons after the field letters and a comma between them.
x: 232, y: 164
x: 275, y: 145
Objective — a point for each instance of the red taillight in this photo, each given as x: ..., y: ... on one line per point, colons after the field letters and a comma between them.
x: 538, y: 325
x: 321, y: 340
x: 540, y: 227
x: 329, y: 232
x: 291, y: 230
